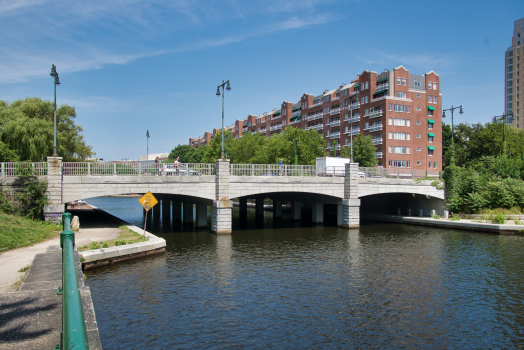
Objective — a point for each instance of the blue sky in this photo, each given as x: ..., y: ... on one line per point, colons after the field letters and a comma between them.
x: 129, y: 66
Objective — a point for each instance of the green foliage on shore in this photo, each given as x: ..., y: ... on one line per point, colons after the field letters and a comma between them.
x: 363, y: 151
x: 496, y: 182
x: 26, y: 128
x: 126, y: 236
x: 257, y: 148
x: 17, y: 231
x: 28, y: 196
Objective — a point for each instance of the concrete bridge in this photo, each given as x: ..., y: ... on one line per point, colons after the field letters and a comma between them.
x: 216, y: 185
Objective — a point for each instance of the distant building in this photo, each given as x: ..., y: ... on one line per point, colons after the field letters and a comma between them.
x: 401, y: 112
x: 152, y: 156
x: 512, y: 69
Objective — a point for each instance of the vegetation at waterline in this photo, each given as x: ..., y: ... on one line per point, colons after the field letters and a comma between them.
x: 126, y: 236
x: 27, y: 131
x: 16, y: 231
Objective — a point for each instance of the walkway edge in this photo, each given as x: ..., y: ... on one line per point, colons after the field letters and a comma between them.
x: 476, y: 226
x: 106, y: 256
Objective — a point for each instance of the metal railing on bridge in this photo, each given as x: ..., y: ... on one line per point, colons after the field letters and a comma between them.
x: 284, y: 170
x: 136, y: 168
x: 399, y: 173
x: 23, y: 168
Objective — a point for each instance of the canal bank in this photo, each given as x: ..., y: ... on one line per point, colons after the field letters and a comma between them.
x: 462, y: 224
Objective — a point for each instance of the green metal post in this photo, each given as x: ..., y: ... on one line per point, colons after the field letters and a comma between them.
x: 66, y: 221
x: 74, y: 335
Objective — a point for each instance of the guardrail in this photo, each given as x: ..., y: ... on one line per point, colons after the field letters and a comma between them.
x: 74, y: 335
x: 284, y: 170
x: 136, y: 168
x: 23, y: 168
x: 398, y: 173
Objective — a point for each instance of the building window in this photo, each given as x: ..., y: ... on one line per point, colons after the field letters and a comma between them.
x: 390, y: 121
x: 400, y: 108
x: 401, y: 94
x: 419, y: 136
x: 408, y: 136
x: 419, y: 149
x: 408, y: 122
x: 399, y: 122
x: 430, y: 139
x: 429, y: 85
x: 419, y: 162
x: 390, y: 107
x: 430, y: 126
x: 408, y: 109
x: 399, y: 136
x: 404, y: 81
x: 400, y: 150
x: 399, y: 81
x: 416, y: 83
x: 418, y: 109
x: 430, y: 112
x: 390, y: 149
x: 430, y: 152
x: 419, y: 122
x: 430, y: 164
x: 434, y: 86
x: 430, y: 99
x: 408, y: 150
x: 390, y: 135
x: 418, y: 95
x: 435, y: 165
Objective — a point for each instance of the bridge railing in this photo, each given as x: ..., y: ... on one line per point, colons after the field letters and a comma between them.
x: 398, y: 173
x: 284, y: 170
x: 136, y: 168
x: 23, y: 168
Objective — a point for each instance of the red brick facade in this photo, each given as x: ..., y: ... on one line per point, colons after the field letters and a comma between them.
x: 402, y: 112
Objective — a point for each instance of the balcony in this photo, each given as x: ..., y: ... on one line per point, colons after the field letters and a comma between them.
x: 318, y: 103
x: 377, y: 142
x: 318, y: 116
x: 374, y: 128
x: 355, y: 131
x: 330, y: 148
x: 334, y: 111
x: 336, y: 98
x: 378, y: 155
x: 317, y: 127
x: 353, y: 119
x: 380, y: 98
x: 375, y: 114
x: 353, y: 93
x: 294, y: 121
x: 335, y: 123
x: 335, y: 135
x: 354, y: 105
x: 294, y: 114
x: 244, y: 129
x: 380, y: 87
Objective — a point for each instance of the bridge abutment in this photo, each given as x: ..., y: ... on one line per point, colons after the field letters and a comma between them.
x: 222, y: 214
x: 296, y: 211
x: 55, y: 208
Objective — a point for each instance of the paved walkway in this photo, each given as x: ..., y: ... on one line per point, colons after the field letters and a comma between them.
x: 94, y: 227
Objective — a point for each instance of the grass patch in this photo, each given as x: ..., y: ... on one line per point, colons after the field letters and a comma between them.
x: 24, y: 269
x: 17, y: 231
x: 126, y: 236
x: 511, y: 211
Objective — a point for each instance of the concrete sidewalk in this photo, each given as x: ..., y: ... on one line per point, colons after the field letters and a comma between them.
x: 94, y: 227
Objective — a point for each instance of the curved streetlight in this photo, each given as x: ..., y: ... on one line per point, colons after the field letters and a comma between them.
x: 54, y: 74
x: 452, y: 141
x: 228, y: 88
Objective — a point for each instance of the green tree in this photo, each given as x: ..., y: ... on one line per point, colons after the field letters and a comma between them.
x: 363, y: 151
x: 213, y: 151
x: 243, y: 150
x: 26, y: 126
x: 6, y: 154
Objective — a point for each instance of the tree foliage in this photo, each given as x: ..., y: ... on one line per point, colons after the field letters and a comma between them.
x: 187, y: 154
x: 363, y: 151
x: 6, y: 154
x: 26, y: 127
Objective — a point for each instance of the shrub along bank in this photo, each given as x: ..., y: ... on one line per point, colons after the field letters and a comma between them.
x: 493, y: 183
x: 17, y: 231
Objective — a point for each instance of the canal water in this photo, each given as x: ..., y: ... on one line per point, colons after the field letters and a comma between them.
x: 282, y: 285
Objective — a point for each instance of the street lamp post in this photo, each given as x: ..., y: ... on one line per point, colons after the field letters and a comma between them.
x: 147, y: 135
x: 228, y: 88
x: 54, y: 74
x: 504, y: 118
x: 452, y: 134
x: 351, y: 127
x: 296, y: 150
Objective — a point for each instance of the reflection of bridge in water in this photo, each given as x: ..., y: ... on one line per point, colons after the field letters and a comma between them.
x: 216, y: 185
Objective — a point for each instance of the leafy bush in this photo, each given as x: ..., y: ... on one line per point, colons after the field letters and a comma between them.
x: 499, y: 219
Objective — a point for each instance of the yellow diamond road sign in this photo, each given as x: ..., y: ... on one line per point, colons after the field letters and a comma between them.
x: 148, y: 201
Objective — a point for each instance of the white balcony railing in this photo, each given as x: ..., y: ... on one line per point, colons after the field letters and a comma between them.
x: 294, y: 114
x: 330, y: 148
x: 377, y: 141
x: 375, y: 114
x: 353, y: 119
x: 335, y: 123
x: 334, y: 111
x: 244, y: 129
x: 335, y: 135
x: 374, y: 128
x: 355, y: 131
x: 318, y: 116
x: 318, y: 103
x: 353, y: 93
x: 336, y: 98
x: 317, y: 127
x: 383, y: 86
x: 381, y: 98
x: 354, y: 105
x: 294, y: 121
x: 378, y: 155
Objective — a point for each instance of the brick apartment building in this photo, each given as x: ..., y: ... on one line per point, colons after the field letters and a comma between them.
x: 401, y: 112
x: 514, y: 57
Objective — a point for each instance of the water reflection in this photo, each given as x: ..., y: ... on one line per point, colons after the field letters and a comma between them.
x: 273, y: 284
